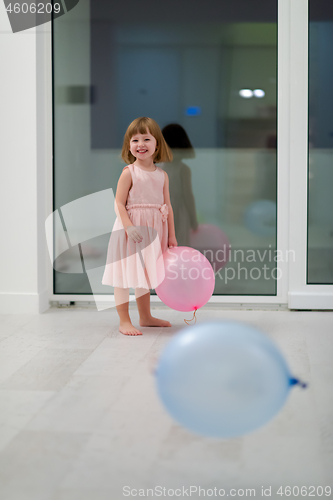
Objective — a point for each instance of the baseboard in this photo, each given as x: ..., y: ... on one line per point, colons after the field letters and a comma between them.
x: 24, y: 303
x: 318, y: 301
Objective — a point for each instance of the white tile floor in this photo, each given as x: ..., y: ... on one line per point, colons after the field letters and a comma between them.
x: 80, y: 417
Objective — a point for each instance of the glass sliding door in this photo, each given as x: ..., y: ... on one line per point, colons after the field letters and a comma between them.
x: 320, y: 162
x: 209, y: 71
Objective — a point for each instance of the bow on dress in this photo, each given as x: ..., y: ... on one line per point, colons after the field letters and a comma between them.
x: 164, y: 209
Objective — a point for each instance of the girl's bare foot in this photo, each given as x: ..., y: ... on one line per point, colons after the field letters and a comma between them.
x: 128, y: 329
x: 151, y: 321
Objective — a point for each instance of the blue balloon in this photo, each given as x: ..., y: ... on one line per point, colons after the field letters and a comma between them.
x: 260, y: 217
x: 222, y: 379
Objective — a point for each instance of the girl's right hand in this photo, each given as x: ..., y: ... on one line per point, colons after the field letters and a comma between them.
x: 134, y: 234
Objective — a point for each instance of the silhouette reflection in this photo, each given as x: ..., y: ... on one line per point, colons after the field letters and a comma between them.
x: 266, y: 176
x: 180, y: 183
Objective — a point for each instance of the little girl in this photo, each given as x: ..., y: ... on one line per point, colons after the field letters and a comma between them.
x: 144, y: 225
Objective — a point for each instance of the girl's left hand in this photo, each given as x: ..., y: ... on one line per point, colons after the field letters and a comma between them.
x: 172, y: 242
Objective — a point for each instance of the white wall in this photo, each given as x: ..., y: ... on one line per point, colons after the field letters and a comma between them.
x: 23, y: 287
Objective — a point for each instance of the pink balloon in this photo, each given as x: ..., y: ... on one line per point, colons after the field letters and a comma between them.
x: 189, y: 279
x: 213, y: 243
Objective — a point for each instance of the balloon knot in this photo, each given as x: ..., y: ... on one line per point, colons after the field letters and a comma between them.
x: 194, y: 317
x: 296, y: 381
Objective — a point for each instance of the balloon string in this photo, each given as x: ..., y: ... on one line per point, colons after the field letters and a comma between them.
x: 194, y: 317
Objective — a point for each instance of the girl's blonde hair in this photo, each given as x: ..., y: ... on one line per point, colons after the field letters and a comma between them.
x: 140, y: 126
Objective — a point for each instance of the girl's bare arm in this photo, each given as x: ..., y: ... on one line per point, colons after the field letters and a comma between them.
x: 123, y: 187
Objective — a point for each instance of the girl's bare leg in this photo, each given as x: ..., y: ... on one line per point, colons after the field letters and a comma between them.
x: 121, y: 296
x: 142, y: 296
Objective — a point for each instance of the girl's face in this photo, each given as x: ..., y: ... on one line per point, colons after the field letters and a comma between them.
x: 143, y: 146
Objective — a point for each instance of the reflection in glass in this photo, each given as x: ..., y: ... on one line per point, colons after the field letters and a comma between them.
x: 187, y: 69
x: 320, y: 168
x: 180, y: 183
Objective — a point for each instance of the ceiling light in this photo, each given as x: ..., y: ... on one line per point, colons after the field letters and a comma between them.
x: 259, y: 93
x: 246, y: 93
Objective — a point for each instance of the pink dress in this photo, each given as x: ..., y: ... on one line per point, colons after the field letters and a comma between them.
x: 130, y: 264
